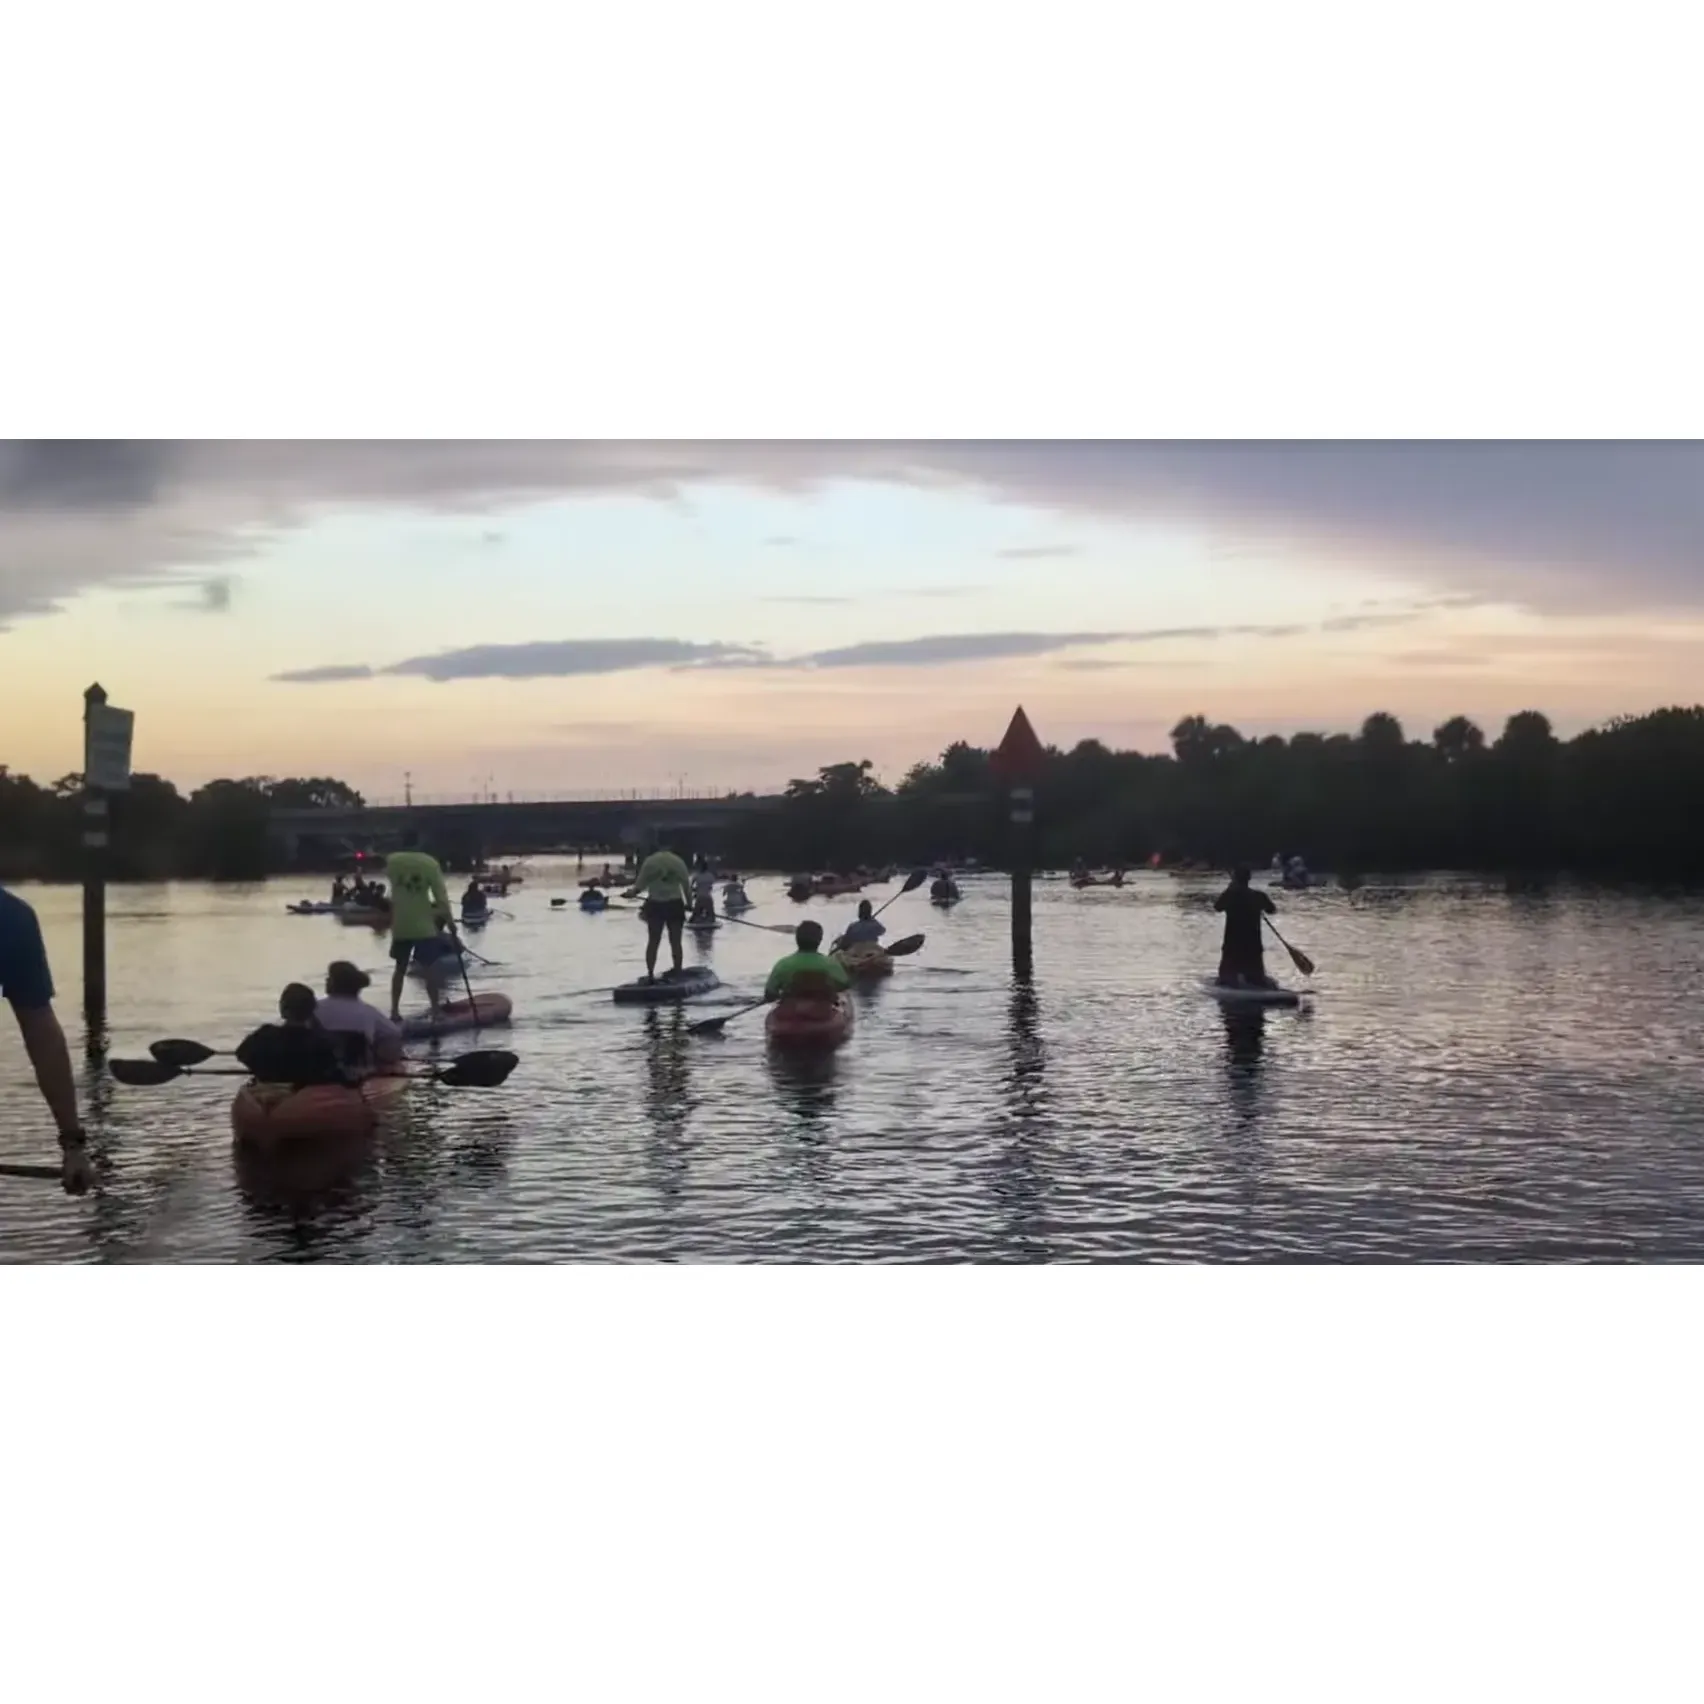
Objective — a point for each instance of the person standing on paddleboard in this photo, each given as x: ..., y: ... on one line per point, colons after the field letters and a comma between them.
x: 420, y: 907
x: 1242, y: 960
x: 664, y: 882
x: 26, y: 984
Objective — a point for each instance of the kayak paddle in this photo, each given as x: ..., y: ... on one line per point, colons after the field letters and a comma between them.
x: 773, y: 928
x: 1300, y: 959
x: 714, y: 1026
x: 484, y: 1068
x: 906, y: 946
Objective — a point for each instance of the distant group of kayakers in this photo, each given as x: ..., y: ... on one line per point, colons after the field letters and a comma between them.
x: 358, y: 894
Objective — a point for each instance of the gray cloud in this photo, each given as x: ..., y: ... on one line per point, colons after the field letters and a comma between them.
x: 1557, y: 526
x: 556, y: 659
x: 1036, y: 552
x: 1439, y: 657
x: 553, y: 659
x: 325, y: 673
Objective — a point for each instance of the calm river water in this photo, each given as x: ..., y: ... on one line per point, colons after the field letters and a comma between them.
x: 1480, y: 1078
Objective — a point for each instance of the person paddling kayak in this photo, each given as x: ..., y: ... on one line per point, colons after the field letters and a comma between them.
x: 474, y: 902
x: 367, y: 1037
x: 664, y: 882
x: 1242, y: 959
x: 807, y: 970
x: 867, y: 929
x: 26, y: 985
x: 296, y: 1052
x: 420, y: 907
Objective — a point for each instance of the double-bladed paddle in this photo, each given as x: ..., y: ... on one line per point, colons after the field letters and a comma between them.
x: 485, y: 1068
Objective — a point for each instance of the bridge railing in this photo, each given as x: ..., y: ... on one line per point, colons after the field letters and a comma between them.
x: 585, y: 796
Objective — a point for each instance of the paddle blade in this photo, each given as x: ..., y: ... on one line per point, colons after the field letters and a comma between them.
x: 914, y: 881
x: 182, y: 1053
x: 559, y: 902
x: 713, y: 1026
x: 906, y: 947
x: 1301, y: 960
x: 485, y: 1069
x: 142, y: 1073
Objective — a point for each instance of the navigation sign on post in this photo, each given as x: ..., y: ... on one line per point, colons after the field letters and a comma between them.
x: 106, y: 748
x: 1018, y: 758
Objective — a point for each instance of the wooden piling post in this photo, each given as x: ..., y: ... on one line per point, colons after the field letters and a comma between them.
x: 1017, y: 763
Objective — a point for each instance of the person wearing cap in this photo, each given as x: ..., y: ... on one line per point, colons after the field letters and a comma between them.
x: 374, y: 1039
x: 296, y: 1051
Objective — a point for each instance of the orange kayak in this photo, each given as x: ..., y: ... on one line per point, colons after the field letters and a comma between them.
x: 809, y: 1022
x: 866, y: 958
x: 271, y: 1116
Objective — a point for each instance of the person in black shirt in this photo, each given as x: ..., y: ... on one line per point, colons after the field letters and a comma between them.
x: 1242, y: 960
x: 297, y: 1051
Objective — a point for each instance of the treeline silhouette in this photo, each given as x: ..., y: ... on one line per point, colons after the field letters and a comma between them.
x: 219, y: 832
x: 1618, y: 801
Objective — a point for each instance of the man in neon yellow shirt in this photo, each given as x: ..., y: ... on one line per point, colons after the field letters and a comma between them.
x: 665, y: 882
x: 420, y: 909
x: 808, y: 970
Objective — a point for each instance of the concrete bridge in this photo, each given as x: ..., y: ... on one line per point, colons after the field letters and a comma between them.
x: 478, y: 828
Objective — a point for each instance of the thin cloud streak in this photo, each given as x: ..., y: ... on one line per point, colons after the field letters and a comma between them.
x: 1036, y: 552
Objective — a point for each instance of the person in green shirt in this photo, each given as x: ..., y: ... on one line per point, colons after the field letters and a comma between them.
x: 808, y: 970
x: 420, y: 908
x: 665, y: 882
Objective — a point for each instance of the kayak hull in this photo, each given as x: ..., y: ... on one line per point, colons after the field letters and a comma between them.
x: 269, y: 1117
x: 311, y: 908
x: 667, y: 990
x: 487, y: 1009
x: 1252, y: 996
x: 364, y: 919
x: 866, y: 959
x: 595, y: 906
x: 813, y: 1024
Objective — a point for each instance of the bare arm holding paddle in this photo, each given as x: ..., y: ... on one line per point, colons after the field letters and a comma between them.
x: 27, y: 984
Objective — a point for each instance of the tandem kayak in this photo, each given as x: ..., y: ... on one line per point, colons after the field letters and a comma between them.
x: 267, y: 1117
x: 809, y: 1022
x: 866, y: 958
x: 484, y: 1010
x: 1252, y: 996
x: 694, y: 980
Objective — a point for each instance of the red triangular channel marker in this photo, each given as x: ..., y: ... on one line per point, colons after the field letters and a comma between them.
x: 1018, y: 758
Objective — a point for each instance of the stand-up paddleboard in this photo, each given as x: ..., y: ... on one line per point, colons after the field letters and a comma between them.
x: 487, y: 1008
x: 1253, y: 996
x: 694, y: 980
x: 703, y: 926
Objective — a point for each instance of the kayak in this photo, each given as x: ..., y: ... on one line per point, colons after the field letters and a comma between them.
x: 866, y: 958
x: 487, y: 1008
x: 601, y: 903
x: 736, y: 903
x: 809, y: 1022
x: 270, y: 1116
x: 695, y: 979
x: 703, y: 925
x: 615, y: 879
x: 1252, y: 996
x: 366, y: 917
x: 311, y: 908
x: 945, y: 900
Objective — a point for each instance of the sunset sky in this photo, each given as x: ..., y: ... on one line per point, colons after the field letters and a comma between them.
x: 543, y: 617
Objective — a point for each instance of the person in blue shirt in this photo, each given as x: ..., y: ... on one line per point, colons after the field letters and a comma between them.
x: 26, y: 984
x: 865, y: 929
